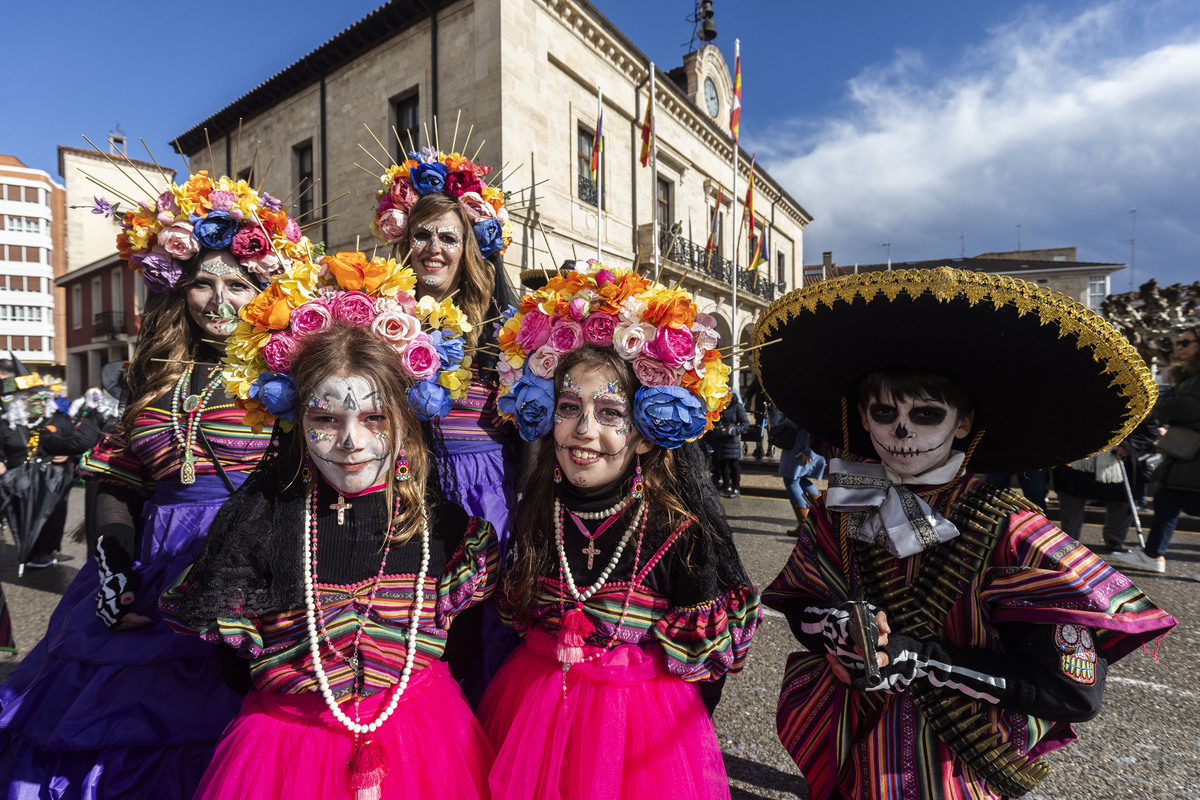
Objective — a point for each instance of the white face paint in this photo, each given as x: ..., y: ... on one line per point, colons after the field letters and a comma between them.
x: 347, y: 434
x: 915, y: 435
x: 219, y: 280
x: 593, y: 433
x: 437, y: 250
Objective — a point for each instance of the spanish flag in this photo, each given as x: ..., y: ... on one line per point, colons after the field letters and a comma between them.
x: 750, y: 204
x: 597, y: 148
x: 735, y: 112
x: 645, y: 156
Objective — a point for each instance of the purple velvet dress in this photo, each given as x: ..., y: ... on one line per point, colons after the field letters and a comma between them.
x: 97, y: 713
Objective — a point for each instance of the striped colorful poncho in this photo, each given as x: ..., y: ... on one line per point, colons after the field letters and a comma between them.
x: 862, y: 744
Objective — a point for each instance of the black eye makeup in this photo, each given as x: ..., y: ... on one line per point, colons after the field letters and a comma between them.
x: 882, y: 414
x: 931, y: 416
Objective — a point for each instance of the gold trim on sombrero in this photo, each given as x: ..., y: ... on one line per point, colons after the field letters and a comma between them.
x: 1109, y: 348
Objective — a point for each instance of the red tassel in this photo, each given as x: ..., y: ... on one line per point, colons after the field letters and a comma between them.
x: 367, y: 770
x: 575, y: 628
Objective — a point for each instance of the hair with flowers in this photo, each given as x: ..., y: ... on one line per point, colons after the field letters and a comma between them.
x: 345, y: 289
x: 429, y: 171
x: 203, y: 214
x: 669, y: 344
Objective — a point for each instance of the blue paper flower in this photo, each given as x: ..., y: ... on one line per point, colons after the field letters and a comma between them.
x: 427, y: 178
x: 429, y: 399
x: 531, y: 402
x: 668, y: 416
x: 277, y: 393
x: 449, y: 348
x: 489, y: 233
x: 215, y: 231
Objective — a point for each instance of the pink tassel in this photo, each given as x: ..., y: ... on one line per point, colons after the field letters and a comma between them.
x: 367, y: 770
x: 575, y: 628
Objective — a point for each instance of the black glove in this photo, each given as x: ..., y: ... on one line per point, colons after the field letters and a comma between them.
x: 119, y: 582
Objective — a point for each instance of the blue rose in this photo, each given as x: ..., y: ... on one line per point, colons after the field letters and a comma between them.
x: 449, y: 348
x: 489, y: 233
x: 430, y: 399
x: 277, y: 393
x: 531, y: 402
x: 214, y: 232
x: 427, y: 178
x: 668, y: 416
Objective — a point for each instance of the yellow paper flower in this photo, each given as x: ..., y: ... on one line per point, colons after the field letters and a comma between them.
x: 455, y: 381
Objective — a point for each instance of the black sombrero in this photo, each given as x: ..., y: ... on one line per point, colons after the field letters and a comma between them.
x: 1052, y: 381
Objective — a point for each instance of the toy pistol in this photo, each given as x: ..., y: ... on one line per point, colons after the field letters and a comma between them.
x: 864, y: 630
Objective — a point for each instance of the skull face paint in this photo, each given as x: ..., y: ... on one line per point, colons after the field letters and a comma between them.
x: 913, y: 435
x: 437, y: 250
x: 344, y: 423
x: 593, y: 428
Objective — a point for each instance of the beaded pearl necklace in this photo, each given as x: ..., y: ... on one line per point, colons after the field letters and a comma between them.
x: 314, y: 641
x: 193, y: 406
x: 581, y: 597
x: 617, y: 508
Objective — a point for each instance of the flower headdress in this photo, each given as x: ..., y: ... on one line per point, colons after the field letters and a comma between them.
x: 345, y: 289
x: 430, y: 171
x: 671, y: 346
x: 156, y: 238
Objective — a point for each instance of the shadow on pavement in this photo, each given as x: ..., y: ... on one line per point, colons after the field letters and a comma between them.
x: 763, y: 776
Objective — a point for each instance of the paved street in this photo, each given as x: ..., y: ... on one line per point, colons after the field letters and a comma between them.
x: 1142, y: 745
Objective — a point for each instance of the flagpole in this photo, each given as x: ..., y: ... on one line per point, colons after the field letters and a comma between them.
x: 654, y: 172
x: 737, y: 54
x: 599, y: 170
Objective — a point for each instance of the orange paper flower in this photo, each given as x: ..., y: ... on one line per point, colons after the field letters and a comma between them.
x: 270, y: 309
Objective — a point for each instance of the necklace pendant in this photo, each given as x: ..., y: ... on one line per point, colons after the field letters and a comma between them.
x: 187, y: 473
x: 191, y: 403
x: 353, y: 662
x: 591, y: 551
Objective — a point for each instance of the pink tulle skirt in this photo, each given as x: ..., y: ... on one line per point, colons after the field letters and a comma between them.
x: 290, y: 746
x: 626, y: 729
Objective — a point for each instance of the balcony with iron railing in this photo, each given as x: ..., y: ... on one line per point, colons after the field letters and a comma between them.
x: 691, y: 256
x: 108, y: 325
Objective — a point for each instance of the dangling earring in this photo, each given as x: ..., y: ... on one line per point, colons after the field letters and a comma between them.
x: 402, y: 473
x: 557, y: 473
x: 639, y: 487
x: 306, y: 472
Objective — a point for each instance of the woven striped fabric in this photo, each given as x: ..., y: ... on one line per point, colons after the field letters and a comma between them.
x: 473, y: 418
x: 881, y: 746
x: 153, y: 452
x: 279, y: 645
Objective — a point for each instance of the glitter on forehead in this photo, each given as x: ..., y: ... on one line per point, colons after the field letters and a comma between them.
x: 611, y: 388
x: 568, y: 384
x: 316, y: 402
x: 217, y: 267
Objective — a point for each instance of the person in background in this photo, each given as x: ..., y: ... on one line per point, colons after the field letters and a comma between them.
x: 800, y: 467
x: 726, y: 438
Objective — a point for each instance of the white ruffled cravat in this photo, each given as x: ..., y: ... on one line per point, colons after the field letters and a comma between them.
x: 884, y: 511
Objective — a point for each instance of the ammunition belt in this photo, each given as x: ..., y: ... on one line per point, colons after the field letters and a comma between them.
x: 920, y: 609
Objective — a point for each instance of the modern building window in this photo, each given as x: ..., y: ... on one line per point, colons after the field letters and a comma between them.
x: 589, y: 190
x: 31, y: 194
x: 780, y: 268
x: 14, y: 193
x: 117, y: 289
x: 1097, y: 291
x: 76, y: 306
x: 662, y: 203
x: 15, y: 224
x: 139, y: 293
x: 406, y: 119
x: 302, y: 155
x: 33, y: 226
x: 97, y: 297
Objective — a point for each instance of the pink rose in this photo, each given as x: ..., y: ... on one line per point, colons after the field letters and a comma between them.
x: 392, y: 225
x: 278, y: 351
x: 166, y: 202
x: 222, y: 201
x: 266, y: 266
x: 396, y: 327
x: 598, y: 329
x: 459, y: 183
x: 178, y: 241
x: 354, y: 309
x: 420, y: 359
x: 565, y: 335
x: 477, y: 208
x: 630, y: 337
x: 508, y: 373
x: 292, y: 231
x: 403, y: 195
x: 672, y: 346
x: 577, y: 308
x: 250, y: 242
x: 605, y: 277
x: 406, y: 300
x: 312, y: 317
x: 543, y: 362
x: 652, y: 372
x: 535, y: 330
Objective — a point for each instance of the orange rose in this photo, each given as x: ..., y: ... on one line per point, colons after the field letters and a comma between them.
x: 671, y: 308
x: 270, y: 309
x: 349, y: 270
x: 274, y: 221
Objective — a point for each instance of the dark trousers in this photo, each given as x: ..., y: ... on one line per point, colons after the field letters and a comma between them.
x: 49, y: 541
x: 731, y: 471
x: 1168, y: 505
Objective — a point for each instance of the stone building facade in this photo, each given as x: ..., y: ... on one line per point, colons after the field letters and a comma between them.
x: 514, y: 84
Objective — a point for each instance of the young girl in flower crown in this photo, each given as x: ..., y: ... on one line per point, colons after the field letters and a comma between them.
x: 624, y: 581
x: 340, y: 567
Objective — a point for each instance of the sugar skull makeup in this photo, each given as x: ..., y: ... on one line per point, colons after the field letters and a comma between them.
x: 594, y: 435
x: 913, y: 435
x: 437, y: 250
x: 347, y: 434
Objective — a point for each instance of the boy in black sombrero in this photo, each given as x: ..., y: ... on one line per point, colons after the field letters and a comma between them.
x: 994, y: 628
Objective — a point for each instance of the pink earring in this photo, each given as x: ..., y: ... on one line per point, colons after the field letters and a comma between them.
x: 402, y: 473
x: 557, y: 473
x: 639, y: 487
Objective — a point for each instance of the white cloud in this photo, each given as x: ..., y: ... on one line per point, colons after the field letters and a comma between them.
x: 1059, y: 125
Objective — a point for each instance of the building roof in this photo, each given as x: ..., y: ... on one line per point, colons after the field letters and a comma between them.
x: 84, y: 151
x: 994, y: 264
x: 11, y: 161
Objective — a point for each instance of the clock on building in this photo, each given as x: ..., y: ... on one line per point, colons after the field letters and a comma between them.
x: 710, y: 97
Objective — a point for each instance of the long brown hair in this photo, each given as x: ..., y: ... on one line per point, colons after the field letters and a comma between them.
x: 344, y: 351
x: 533, y: 521
x: 476, y: 277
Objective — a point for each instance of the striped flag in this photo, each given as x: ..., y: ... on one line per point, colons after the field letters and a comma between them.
x: 750, y: 205
x: 761, y: 250
x: 597, y: 147
x: 735, y: 113
x: 645, y: 155
x: 711, y: 244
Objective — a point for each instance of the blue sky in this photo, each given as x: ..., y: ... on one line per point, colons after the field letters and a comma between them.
x: 937, y: 126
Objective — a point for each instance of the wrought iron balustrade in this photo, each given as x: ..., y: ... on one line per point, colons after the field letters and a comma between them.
x: 108, y: 323
x: 695, y: 257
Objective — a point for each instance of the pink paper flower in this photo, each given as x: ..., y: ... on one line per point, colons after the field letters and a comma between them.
x: 477, y: 208
x: 598, y: 329
x: 630, y: 337
x: 266, y: 266
x: 292, y: 231
x: 396, y: 327
x: 535, y: 330
x: 278, y: 351
x: 178, y: 241
x: 604, y: 277
x: 508, y: 373
x: 221, y: 200
x: 577, y: 308
x: 420, y: 359
x: 392, y: 225
x: 403, y: 195
x: 250, y: 242
x: 565, y: 335
x: 672, y: 346
x: 312, y: 317
x: 542, y: 362
x: 166, y: 202
x: 652, y: 372
x: 354, y: 308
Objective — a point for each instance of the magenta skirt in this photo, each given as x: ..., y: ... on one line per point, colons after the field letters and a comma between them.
x: 290, y: 746
x: 625, y: 729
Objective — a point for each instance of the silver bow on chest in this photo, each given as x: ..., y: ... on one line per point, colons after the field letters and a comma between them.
x: 888, y: 514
